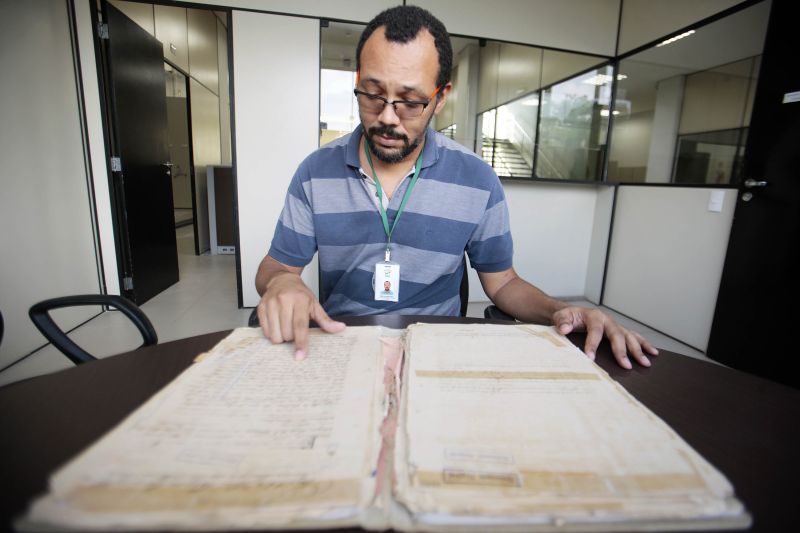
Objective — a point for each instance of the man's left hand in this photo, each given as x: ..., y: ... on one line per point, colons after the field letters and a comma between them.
x: 597, y: 324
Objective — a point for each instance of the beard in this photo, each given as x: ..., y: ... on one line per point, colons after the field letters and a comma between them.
x: 392, y: 157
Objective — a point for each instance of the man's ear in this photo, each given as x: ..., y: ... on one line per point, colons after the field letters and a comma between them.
x: 441, y: 97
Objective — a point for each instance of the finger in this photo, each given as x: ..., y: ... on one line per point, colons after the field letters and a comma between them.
x: 300, y: 325
x: 645, y: 344
x: 261, y: 312
x: 563, y: 322
x: 635, y: 349
x: 618, y: 346
x: 594, y: 334
x: 274, y: 322
x: 286, y: 310
x: 326, y: 323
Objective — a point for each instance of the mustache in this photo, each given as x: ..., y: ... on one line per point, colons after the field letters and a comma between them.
x: 387, y: 131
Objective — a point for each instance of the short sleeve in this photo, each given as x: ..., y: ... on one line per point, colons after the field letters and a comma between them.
x: 490, y: 248
x: 294, y: 242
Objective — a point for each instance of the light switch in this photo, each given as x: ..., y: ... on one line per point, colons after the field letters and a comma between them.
x: 715, y: 201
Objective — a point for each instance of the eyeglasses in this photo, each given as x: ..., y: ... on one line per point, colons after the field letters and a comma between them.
x: 405, y: 109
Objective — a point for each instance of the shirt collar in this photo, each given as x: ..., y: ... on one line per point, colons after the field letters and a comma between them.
x: 430, y: 153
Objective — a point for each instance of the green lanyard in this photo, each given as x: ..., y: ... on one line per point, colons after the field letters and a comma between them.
x: 406, y: 196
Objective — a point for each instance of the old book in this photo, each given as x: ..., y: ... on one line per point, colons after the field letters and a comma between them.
x: 437, y: 428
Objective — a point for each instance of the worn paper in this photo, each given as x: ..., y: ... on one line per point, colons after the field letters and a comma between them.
x: 454, y: 427
x: 514, y: 425
x: 245, y: 436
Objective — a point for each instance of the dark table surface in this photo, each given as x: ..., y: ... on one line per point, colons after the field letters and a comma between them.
x: 746, y: 426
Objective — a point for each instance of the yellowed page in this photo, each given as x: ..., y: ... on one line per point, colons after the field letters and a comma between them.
x: 245, y: 438
x: 514, y: 426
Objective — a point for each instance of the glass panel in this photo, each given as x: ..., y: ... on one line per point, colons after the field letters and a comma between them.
x: 557, y: 66
x: 459, y: 112
x: 683, y: 106
x: 573, y: 127
x: 486, y: 123
x: 449, y: 131
x: 518, y: 71
x: 515, y: 137
x: 712, y: 157
x: 488, y: 76
x: 338, y: 109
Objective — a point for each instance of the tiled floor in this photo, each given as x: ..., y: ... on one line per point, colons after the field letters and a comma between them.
x: 205, y: 300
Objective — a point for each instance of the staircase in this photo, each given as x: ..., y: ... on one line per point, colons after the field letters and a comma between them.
x: 505, y: 158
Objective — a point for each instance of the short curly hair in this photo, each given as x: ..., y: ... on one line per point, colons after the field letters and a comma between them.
x: 403, y: 23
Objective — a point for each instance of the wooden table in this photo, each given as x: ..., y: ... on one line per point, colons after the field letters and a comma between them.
x: 746, y: 426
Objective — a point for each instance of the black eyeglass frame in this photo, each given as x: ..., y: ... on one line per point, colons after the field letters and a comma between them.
x: 393, y: 103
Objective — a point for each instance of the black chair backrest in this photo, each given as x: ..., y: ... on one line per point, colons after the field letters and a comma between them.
x: 40, y: 316
x: 2, y: 327
x: 464, y: 288
x: 252, y: 320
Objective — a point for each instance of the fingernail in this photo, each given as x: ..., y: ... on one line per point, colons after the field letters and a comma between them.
x: 645, y: 361
x: 299, y: 355
x: 626, y: 363
x: 590, y: 355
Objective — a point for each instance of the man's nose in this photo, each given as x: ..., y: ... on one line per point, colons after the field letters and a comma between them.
x: 389, y: 115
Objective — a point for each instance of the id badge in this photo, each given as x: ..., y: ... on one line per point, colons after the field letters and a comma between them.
x: 387, y: 281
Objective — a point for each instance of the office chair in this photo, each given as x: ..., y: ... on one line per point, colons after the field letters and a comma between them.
x: 40, y: 316
x: 493, y: 312
x: 463, y: 291
x: 2, y: 327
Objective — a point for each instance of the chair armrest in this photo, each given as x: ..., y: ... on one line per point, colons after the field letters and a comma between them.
x: 494, y: 313
x: 40, y: 315
x: 252, y: 320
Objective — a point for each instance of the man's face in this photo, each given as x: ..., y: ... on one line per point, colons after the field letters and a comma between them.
x: 386, y: 285
x: 399, y: 71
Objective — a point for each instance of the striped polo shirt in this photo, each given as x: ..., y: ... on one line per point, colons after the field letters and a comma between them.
x: 457, y: 204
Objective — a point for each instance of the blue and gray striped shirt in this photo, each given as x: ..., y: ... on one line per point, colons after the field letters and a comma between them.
x: 457, y: 204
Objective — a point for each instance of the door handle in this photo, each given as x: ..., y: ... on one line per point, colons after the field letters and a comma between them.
x: 168, y: 164
x: 750, y: 183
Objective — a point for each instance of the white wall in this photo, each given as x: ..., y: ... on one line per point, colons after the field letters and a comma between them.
x: 552, y: 226
x: 601, y: 230
x: 97, y: 149
x: 575, y: 25
x: 348, y: 10
x: 592, y: 25
x: 47, y: 242
x: 666, y: 258
x: 276, y: 107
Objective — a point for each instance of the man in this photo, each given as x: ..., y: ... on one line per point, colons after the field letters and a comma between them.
x: 396, y: 202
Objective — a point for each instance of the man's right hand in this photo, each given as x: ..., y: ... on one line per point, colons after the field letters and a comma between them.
x: 285, y: 309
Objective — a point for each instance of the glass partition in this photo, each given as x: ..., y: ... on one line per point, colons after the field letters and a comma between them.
x: 449, y: 131
x: 514, y: 80
x: 683, y: 106
x: 338, y: 110
x: 574, y: 126
x: 509, y: 137
x: 493, y: 106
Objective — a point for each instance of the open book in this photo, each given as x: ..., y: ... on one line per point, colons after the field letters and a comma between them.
x: 436, y: 428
